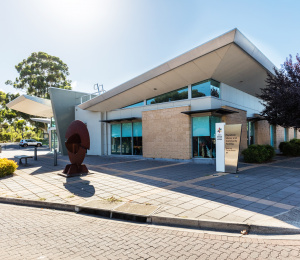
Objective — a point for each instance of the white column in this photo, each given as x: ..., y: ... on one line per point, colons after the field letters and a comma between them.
x: 220, y: 147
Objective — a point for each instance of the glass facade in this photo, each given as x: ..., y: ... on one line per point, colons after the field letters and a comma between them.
x: 137, y: 138
x: 204, y: 136
x: 54, y: 141
x: 250, y: 133
x: 139, y: 104
x: 204, y: 88
x: 116, y: 139
x: 272, y: 135
x: 295, y: 132
x: 126, y: 138
x: 178, y: 94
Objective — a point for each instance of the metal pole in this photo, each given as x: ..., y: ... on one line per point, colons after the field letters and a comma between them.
x: 55, y: 157
x: 35, y: 153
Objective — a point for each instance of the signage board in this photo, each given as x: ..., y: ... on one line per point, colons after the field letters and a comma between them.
x: 232, y: 147
x: 220, y: 147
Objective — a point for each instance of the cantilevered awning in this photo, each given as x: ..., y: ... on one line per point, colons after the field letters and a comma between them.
x: 222, y: 111
x: 42, y: 120
x: 255, y: 118
x: 230, y: 58
x: 121, y: 119
x: 32, y: 106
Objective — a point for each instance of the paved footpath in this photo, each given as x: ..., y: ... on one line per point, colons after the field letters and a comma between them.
x: 256, y: 195
x: 31, y: 233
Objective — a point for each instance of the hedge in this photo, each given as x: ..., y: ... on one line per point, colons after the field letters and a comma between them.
x: 291, y: 148
x: 7, y: 167
x: 258, y: 153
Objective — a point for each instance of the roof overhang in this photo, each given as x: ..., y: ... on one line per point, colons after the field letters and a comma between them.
x: 230, y: 58
x: 121, y: 119
x: 32, y: 106
x: 220, y: 111
x: 42, y: 120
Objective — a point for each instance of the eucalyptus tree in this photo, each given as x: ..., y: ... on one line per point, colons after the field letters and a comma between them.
x: 39, y: 72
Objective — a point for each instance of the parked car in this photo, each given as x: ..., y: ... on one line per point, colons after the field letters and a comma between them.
x: 26, y: 142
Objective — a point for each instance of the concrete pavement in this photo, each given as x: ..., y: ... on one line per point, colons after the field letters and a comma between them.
x: 258, y: 195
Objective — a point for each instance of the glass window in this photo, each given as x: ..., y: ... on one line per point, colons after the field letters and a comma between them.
x: 115, y: 138
x: 126, y: 138
x: 135, y: 105
x: 250, y: 133
x: 137, y: 138
x: 170, y: 96
x: 52, y: 122
x: 201, y: 126
x: 295, y: 132
x: 206, y: 88
x: 272, y: 134
x: 204, y: 142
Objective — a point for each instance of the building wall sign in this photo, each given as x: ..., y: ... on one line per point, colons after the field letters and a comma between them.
x: 232, y: 147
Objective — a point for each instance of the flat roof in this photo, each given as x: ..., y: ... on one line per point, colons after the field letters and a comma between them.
x: 32, y: 106
x: 230, y: 58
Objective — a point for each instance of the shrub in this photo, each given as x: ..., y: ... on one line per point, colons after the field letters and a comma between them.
x: 7, y: 167
x: 291, y: 148
x: 270, y: 152
x: 282, y: 145
x: 258, y: 153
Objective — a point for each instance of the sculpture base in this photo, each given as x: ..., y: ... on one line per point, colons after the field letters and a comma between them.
x: 74, y: 170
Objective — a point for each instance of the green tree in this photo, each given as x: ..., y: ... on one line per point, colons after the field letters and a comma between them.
x: 282, y: 95
x: 39, y: 72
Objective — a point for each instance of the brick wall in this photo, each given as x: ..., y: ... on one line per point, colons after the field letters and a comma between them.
x: 262, y: 132
x: 238, y: 118
x: 167, y: 133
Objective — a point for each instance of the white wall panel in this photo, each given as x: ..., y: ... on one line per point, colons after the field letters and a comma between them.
x: 92, y: 119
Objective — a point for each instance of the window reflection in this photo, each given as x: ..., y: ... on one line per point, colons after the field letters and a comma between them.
x: 170, y: 96
x: 204, y: 142
x: 126, y: 138
x: 206, y: 88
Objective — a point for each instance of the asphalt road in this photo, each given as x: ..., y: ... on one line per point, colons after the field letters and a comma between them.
x: 33, y: 233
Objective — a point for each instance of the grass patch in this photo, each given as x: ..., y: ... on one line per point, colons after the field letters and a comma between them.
x: 113, y: 199
x: 42, y: 199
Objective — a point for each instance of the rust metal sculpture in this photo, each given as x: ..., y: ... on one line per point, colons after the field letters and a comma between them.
x: 78, y: 141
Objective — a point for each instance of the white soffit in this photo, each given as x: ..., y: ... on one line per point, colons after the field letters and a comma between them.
x: 32, y: 106
x: 230, y: 58
x: 41, y: 120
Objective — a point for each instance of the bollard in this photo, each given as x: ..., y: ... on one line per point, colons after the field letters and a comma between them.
x: 55, y: 157
x: 35, y: 153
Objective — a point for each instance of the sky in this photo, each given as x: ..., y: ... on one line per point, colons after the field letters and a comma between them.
x: 112, y: 41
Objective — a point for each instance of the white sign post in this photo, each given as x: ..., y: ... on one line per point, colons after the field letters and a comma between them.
x: 220, y: 147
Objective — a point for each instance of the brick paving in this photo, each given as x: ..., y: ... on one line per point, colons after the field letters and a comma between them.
x: 179, y: 188
x: 31, y: 233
